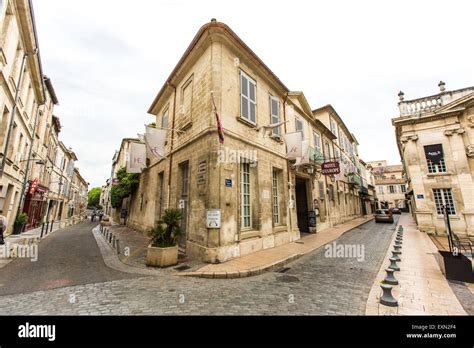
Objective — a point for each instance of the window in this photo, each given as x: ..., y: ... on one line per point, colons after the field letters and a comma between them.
x: 317, y: 142
x: 328, y: 151
x: 392, y: 189
x: 380, y: 189
x: 444, y: 197
x: 245, y: 195
x: 403, y: 188
x: 248, y: 99
x: 435, y: 152
x: 333, y: 126
x: 299, y: 125
x: 436, y: 168
x: 186, y: 103
x: 164, y: 119
x: 275, y: 201
x: 275, y: 115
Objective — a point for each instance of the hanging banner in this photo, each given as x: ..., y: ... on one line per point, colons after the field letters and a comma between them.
x: 137, y: 159
x: 33, y: 186
x: 293, y: 145
x: 155, y: 142
x: 304, y: 159
x: 434, y: 153
x: 330, y: 168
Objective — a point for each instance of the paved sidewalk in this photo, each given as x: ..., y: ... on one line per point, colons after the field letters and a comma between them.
x: 274, y: 258
x: 422, y: 289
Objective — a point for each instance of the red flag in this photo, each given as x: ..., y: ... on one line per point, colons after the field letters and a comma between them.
x: 220, y: 130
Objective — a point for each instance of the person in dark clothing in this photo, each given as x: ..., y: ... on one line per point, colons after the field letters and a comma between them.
x: 93, y: 216
x: 3, y: 227
x: 101, y: 215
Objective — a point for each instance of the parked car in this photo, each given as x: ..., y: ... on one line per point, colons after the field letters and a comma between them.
x: 395, y: 211
x: 383, y: 215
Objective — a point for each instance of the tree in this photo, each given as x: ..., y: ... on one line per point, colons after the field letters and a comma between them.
x: 93, y: 197
x: 127, y: 184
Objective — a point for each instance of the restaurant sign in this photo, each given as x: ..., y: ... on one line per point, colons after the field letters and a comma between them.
x: 330, y: 168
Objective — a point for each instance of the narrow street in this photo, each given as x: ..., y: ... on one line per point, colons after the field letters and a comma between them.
x: 69, y: 262
x: 66, y: 258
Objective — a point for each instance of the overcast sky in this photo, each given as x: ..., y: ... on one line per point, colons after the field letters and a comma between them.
x: 108, y: 59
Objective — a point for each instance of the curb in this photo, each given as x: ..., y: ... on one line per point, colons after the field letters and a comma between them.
x: 259, y: 270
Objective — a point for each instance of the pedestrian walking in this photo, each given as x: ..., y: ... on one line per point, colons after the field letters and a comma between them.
x: 123, y: 215
x: 93, y: 216
x: 101, y: 215
x: 3, y: 227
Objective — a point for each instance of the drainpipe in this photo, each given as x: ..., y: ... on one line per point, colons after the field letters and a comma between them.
x: 12, y: 116
x: 171, y: 144
x: 287, y: 166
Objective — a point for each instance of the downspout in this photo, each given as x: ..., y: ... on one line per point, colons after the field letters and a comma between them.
x: 171, y: 142
x: 287, y: 167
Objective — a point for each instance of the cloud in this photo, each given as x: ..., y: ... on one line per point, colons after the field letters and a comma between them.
x: 108, y: 59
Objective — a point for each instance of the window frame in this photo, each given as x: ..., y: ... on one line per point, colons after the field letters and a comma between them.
x: 298, y: 119
x: 276, y: 132
x: 245, y: 192
x: 249, y: 101
x: 276, y: 218
x: 442, y: 193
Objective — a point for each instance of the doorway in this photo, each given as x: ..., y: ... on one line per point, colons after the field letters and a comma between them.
x: 302, y: 204
x: 183, y: 203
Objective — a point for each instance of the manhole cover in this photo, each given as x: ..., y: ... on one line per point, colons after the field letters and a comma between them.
x: 182, y: 268
x: 288, y: 279
x: 283, y: 270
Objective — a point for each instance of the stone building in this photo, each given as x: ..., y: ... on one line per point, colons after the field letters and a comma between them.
x: 390, y: 184
x: 435, y: 137
x: 27, y: 100
x: 246, y: 194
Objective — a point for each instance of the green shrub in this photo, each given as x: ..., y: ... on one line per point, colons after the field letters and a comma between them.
x: 167, y: 232
x: 21, y: 219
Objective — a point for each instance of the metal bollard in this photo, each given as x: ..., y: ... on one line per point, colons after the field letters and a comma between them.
x: 118, y: 246
x: 101, y: 228
x: 390, y: 278
x: 396, y: 255
x: 110, y: 237
x: 113, y: 241
x: 47, y: 227
x: 52, y: 223
x: 397, y: 247
x: 42, y: 229
x: 387, y: 298
x: 393, y: 264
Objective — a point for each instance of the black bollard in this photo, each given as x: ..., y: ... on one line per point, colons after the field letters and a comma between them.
x: 390, y: 278
x: 387, y: 299
x: 393, y: 264
x: 118, y: 246
x: 396, y: 255
x: 42, y: 229
x: 52, y: 223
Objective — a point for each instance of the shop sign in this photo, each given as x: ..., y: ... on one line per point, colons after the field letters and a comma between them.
x: 33, y: 186
x: 330, y: 168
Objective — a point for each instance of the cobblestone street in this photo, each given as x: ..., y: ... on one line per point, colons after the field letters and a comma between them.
x: 314, y: 284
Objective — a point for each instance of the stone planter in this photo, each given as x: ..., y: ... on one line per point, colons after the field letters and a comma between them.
x: 161, y: 257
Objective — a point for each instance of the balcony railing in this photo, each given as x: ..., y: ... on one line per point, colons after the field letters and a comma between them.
x: 354, y: 179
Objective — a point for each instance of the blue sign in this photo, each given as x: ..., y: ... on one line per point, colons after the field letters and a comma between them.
x: 228, y: 182
x: 420, y: 196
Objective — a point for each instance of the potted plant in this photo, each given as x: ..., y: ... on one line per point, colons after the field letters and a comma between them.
x: 163, y: 248
x: 20, y: 222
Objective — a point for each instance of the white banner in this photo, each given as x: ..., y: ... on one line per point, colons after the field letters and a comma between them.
x: 137, y: 159
x: 304, y: 159
x: 155, y: 142
x: 293, y: 145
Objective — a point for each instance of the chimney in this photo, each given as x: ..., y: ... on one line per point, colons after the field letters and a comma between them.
x: 441, y: 85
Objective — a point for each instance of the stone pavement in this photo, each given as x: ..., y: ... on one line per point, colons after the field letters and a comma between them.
x: 313, y: 285
x: 422, y: 289
x: 274, y: 258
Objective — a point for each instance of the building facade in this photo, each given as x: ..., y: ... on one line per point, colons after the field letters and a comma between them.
x: 28, y: 129
x: 435, y: 137
x: 261, y: 197
x: 390, y: 185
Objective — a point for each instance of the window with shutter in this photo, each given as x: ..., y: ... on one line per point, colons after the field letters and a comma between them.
x: 248, y: 98
x: 186, y: 103
x: 275, y: 115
